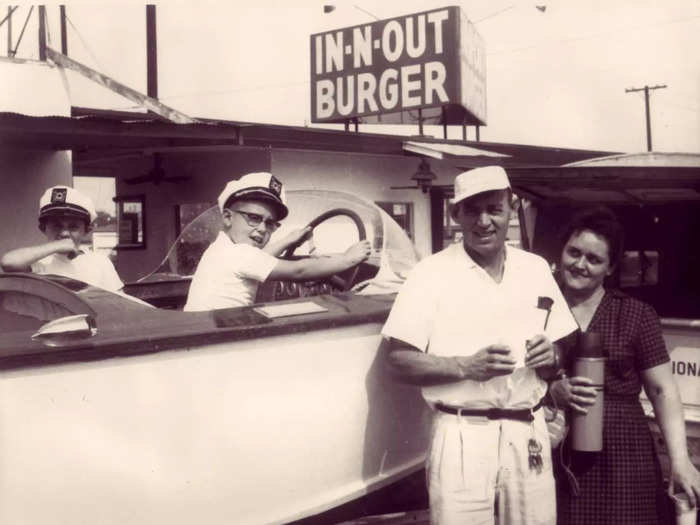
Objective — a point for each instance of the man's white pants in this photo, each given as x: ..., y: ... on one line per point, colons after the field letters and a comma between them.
x: 475, y: 465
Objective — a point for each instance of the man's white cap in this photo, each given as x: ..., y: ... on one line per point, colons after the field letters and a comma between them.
x: 64, y: 200
x: 260, y: 185
x: 479, y: 180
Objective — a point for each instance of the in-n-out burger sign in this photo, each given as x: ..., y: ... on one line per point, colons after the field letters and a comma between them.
x: 430, y: 59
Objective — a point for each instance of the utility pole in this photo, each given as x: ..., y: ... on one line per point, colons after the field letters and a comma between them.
x: 42, y: 33
x: 9, y: 29
x: 151, y: 52
x: 646, y: 102
x: 64, y: 32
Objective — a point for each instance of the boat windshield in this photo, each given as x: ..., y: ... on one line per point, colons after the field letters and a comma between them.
x: 393, y: 253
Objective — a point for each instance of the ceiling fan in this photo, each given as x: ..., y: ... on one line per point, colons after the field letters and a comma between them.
x: 156, y: 174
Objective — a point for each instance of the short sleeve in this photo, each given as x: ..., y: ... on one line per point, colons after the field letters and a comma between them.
x: 652, y: 348
x: 412, y: 316
x: 253, y: 263
x: 38, y: 267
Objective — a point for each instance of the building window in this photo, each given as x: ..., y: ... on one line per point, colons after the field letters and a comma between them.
x: 639, y: 268
x: 402, y: 213
x: 131, y: 222
x: 102, y: 191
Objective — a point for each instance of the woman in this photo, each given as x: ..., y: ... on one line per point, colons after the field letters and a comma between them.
x: 623, y: 483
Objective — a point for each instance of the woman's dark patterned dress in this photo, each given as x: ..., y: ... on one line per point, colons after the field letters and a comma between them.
x: 623, y: 483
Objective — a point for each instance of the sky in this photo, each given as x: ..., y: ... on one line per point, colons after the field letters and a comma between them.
x: 556, y: 76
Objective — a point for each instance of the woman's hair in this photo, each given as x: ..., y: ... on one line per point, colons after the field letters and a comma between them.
x: 601, y: 221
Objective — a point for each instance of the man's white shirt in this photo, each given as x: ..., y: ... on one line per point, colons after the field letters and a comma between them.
x: 450, y: 306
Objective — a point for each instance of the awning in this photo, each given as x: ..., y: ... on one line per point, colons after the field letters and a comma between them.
x: 438, y: 150
x: 649, y: 159
x: 638, y: 178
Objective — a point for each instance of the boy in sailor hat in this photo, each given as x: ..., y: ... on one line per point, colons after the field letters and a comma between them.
x: 65, y: 217
x: 231, y: 268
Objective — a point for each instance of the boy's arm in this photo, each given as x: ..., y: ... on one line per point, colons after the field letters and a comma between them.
x: 314, y: 268
x: 296, y: 236
x: 21, y: 259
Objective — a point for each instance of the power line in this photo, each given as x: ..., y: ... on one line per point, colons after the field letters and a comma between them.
x: 687, y: 108
x: 646, y: 90
x: 612, y: 32
x: 238, y: 90
x: 85, y: 46
x: 494, y: 14
x: 365, y: 11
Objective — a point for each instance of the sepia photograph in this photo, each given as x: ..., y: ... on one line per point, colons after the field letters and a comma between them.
x: 343, y: 262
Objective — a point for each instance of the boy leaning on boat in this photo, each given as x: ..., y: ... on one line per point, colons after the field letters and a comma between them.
x: 241, y: 257
x: 65, y: 218
x: 469, y: 327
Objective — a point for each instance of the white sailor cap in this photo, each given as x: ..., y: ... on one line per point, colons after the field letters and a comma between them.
x: 260, y: 185
x: 479, y: 180
x: 64, y: 200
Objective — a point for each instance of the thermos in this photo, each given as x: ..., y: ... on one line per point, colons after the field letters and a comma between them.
x: 587, y: 429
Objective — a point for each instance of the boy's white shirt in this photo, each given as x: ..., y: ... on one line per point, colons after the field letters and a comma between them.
x: 228, y: 275
x: 88, y: 266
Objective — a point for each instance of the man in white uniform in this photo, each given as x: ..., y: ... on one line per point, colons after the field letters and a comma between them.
x: 473, y: 325
x: 239, y: 259
x: 65, y: 217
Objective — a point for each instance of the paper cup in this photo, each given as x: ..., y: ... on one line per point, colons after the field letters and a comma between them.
x: 685, y: 514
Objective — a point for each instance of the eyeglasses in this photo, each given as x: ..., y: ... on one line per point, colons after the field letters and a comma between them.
x: 253, y: 220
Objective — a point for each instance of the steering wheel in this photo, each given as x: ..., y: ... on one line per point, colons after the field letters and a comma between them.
x: 343, y: 283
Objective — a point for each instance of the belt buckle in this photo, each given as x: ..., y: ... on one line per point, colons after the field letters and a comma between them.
x: 493, y: 413
x: 473, y: 419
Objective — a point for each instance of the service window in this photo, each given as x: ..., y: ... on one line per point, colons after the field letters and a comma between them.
x: 402, y: 213
x: 131, y: 222
x: 639, y: 268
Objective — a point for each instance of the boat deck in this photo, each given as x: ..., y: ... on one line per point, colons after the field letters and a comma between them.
x: 414, y: 517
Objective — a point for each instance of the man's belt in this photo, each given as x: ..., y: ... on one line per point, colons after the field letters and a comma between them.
x: 520, y: 414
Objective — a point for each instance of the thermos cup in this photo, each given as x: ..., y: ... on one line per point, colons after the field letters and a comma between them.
x: 587, y: 429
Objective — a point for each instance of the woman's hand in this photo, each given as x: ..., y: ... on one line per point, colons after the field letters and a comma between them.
x: 686, y: 478
x: 573, y: 392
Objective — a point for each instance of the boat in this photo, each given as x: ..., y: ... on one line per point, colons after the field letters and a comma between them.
x: 116, y: 411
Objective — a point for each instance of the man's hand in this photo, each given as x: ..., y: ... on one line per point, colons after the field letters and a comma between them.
x: 574, y: 392
x: 492, y: 361
x: 540, y: 352
x: 358, y: 252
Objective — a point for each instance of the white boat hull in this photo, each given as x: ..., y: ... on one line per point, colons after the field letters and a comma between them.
x: 256, y: 431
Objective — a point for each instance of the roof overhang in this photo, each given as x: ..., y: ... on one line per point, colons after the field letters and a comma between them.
x: 603, y: 182
x: 82, y: 134
x: 102, y: 134
x: 441, y: 150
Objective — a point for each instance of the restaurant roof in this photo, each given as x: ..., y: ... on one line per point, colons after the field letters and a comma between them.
x: 89, y: 131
